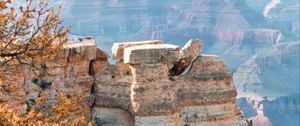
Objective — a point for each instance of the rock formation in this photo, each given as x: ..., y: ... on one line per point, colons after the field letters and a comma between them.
x: 57, y: 93
x: 139, y: 89
x: 81, y: 87
x: 187, y: 55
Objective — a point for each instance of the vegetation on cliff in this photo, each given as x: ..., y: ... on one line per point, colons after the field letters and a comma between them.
x: 29, y: 34
x: 38, y: 114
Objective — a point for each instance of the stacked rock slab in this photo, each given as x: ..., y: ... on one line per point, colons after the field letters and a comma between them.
x: 112, y: 87
x: 152, y: 97
x: 118, y: 48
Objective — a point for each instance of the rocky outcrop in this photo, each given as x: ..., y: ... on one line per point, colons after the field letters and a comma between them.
x: 81, y: 87
x: 206, y: 94
x: 56, y: 93
x: 141, y: 86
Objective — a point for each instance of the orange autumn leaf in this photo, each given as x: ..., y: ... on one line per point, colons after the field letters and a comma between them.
x: 28, y: 34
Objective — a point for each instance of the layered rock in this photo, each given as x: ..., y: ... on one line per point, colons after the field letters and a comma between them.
x: 112, y: 117
x: 112, y: 86
x: 263, y: 83
x: 137, y: 90
x: 151, y: 96
x: 151, y: 79
x: 206, y: 95
x: 56, y: 93
x: 118, y: 48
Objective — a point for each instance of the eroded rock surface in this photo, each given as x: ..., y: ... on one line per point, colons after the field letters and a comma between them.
x: 56, y: 93
x: 81, y: 87
x: 204, y: 96
x: 112, y: 117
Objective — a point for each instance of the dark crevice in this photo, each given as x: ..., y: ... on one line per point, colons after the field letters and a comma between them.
x: 249, y: 122
x: 180, y: 69
x: 91, y: 69
x: 30, y: 103
x: 187, y: 70
x: 41, y: 82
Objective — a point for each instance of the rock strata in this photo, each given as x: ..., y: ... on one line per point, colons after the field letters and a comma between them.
x: 153, y: 96
x: 80, y: 87
x: 56, y: 93
x: 118, y: 48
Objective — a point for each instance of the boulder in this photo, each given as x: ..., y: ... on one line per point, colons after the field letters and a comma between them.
x: 187, y: 56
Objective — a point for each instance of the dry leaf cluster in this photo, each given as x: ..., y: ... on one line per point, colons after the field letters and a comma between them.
x: 29, y: 35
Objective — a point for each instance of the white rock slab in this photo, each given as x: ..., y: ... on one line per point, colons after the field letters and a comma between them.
x: 118, y: 48
x: 151, y: 54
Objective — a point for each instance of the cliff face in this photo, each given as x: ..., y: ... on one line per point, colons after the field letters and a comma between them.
x: 262, y: 91
x: 137, y: 90
x: 58, y: 92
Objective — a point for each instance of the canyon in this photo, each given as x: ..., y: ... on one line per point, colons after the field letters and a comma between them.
x: 244, y: 33
x: 261, y: 49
